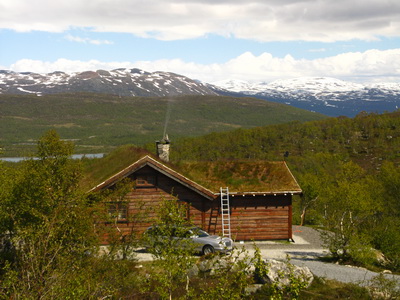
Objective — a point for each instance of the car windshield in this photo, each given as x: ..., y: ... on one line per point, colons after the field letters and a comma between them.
x: 199, y: 232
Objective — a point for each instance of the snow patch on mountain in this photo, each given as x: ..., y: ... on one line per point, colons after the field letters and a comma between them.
x: 326, y: 95
x: 306, y: 88
x: 122, y: 82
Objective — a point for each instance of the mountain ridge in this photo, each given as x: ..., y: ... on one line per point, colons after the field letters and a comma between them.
x: 325, y: 95
x: 121, y: 82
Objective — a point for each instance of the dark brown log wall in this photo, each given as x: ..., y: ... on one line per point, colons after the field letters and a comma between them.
x: 255, y: 217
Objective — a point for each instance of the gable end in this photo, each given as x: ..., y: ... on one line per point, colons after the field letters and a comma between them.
x: 148, y: 161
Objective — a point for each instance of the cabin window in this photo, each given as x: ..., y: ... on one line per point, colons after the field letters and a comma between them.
x: 118, y: 211
x: 186, y: 209
x: 146, y: 181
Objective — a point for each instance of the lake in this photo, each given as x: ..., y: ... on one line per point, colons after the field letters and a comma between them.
x: 75, y: 156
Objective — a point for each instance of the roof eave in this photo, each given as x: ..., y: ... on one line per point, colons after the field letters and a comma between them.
x: 274, y: 193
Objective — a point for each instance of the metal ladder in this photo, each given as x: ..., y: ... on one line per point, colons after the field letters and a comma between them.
x: 225, y: 212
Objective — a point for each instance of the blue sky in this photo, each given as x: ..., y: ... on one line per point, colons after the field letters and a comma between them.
x: 210, y: 40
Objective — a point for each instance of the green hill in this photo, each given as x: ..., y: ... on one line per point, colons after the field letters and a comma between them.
x: 367, y: 139
x: 98, y: 122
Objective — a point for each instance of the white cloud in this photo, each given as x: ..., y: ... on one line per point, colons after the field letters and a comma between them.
x: 64, y: 65
x: 368, y: 66
x: 273, y: 20
x: 78, y: 39
x: 317, y: 50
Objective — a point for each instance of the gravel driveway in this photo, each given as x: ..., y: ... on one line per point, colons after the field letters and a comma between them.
x: 304, y: 251
x: 307, y: 245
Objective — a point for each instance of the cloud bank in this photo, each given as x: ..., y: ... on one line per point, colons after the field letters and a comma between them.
x: 373, y: 65
x: 78, y: 39
x: 261, y: 20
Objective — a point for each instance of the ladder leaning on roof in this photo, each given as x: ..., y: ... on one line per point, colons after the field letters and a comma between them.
x: 225, y: 212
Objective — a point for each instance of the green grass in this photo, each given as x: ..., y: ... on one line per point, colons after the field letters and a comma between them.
x: 97, y: 122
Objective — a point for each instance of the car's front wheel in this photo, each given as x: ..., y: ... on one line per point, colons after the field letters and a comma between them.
x: 207, y: 249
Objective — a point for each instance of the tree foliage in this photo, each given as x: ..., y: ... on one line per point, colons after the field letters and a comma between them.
x: 47, y: 222
x: 173, y: 254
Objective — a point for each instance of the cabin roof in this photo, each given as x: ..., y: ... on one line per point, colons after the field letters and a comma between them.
x: 160, y: 167
x: 206, y: 178
x: 244, y: 177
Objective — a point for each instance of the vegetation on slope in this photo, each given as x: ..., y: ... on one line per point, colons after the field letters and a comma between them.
x: 97, y: 122
x: 367, y: 139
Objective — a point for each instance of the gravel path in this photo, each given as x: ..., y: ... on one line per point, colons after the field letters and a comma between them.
x: 306, y: 251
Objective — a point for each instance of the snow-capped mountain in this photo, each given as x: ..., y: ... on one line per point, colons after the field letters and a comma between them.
x: 123, y: 82
x: 322, y: 94
x: 325, y: 95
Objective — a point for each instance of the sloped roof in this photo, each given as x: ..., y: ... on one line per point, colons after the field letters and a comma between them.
x: 242, y: 177
x: 162, y: 168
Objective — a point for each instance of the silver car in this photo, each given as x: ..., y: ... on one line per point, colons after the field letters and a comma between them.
x: 203, y: 242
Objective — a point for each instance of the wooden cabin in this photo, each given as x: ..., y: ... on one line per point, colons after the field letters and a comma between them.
x: 260, y: 196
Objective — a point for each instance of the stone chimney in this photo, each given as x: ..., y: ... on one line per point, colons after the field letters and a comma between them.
x: 163, y: 148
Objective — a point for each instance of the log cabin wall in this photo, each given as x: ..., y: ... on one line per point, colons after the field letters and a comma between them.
x: 261, y: 217
x: 255, y: 217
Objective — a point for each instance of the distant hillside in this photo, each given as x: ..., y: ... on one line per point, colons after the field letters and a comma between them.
x: 98, y: 122
x: 368, y: 139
